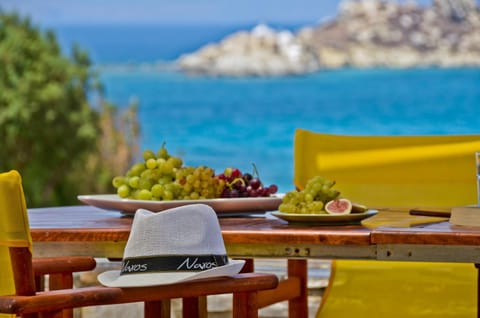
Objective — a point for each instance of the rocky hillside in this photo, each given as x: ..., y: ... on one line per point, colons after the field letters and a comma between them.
x: 365, y: 33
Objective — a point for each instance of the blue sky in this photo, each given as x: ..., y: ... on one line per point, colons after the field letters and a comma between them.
x: 54, y: 12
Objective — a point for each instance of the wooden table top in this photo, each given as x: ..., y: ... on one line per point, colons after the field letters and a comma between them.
x: 389, y: 235
x: 85, y: 223
x: 441, y: 233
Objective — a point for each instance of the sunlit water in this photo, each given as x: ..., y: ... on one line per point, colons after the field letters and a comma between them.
x: 223, y: 122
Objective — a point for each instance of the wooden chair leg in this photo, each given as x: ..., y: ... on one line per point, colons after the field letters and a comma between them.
x: 195, y: 307
x: 61, y: 281
x: 157, y: 309
x: 298, y: 307
x: 51, y: 314
x: 477, y: 266
x: 249, y: 266
x: 245, y: 305
x: 39, y: 283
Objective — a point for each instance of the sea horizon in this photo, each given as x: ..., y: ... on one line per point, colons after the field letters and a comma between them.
x: 148, y: 43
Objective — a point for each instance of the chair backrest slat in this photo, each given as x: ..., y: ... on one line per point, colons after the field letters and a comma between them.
x: 21, y: 260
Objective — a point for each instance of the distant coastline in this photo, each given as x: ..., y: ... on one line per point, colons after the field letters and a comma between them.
x: 296, y: 49
x: 365, y: 34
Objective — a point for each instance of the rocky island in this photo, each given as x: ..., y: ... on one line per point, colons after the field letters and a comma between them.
x: 365, y: 33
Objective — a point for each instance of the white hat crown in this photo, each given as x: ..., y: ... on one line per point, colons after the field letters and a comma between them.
x: 174, y: 245
x: 191, y: 229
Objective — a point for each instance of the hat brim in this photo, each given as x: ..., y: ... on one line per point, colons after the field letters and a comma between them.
x: 114, y: 279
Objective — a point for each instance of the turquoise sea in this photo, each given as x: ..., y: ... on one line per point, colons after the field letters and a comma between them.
x: 222, y: 122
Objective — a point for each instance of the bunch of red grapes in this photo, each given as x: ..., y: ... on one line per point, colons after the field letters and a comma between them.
x: 240, y: 185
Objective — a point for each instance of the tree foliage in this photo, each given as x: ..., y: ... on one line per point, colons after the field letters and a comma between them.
x: 49, y: 131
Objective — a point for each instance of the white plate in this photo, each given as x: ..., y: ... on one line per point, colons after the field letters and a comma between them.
x: 221, y: 205
x: 325, y: 218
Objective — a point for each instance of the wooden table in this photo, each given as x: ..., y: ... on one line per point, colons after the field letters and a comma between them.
x: 84, y: 230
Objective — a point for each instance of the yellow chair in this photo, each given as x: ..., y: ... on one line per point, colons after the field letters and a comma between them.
x: 19, y: 297
x: 394, y: 171
x: 15, y: 240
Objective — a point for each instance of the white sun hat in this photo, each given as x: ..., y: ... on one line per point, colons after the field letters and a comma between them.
x: 175, y: 245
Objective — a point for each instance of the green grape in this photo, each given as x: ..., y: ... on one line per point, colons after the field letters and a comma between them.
x: 118, y: 181
x: 163, y: 153
x: 194, y: 195
x: 123, y: 191
x: 190, y: 179
x: 287, y: 208
x: 166, y: 167
x: 198, y: 183
x: 228, y: 172
x: 134, y: 182
x: 325, y: 188
x: 188, y: 188
x: 163, y: 177
x: 167, y: 195
x: 146, y: 174
x: 154, y: 175
x: 157, y: 191
x: 205, y: 193
x: 332, y: 194
x: 144, y: 184
x: 160, y: 161
x: 316, y: 207
x: 151, y: 163
x: 148, y: 154
x: 136, y: 169
x: 143, y: 194
x: 176, y: 162
x: 318, y: 191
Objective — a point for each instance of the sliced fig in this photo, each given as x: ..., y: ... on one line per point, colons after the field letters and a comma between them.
x: 358, y: 208
x: 338, y: 206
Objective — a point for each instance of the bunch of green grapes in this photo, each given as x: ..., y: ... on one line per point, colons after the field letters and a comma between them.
x: 198, y: 183
x: 311, y: 200
x: 163, y: 177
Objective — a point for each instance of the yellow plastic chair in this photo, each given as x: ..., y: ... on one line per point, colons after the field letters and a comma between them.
x: 394, y: 171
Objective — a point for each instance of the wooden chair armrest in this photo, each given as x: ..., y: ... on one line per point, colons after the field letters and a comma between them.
x: 57, y: 300
x: 55, y: 265
x: 287, y: 289
x: 89, y: 296
x: 239, y: 283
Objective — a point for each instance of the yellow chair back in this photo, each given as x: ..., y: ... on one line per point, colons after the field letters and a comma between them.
x: 394, y: 171
x: 399, y: 171
x: 14, y: 227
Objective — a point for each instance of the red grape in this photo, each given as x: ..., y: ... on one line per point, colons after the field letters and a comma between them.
x: 238, y: 184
